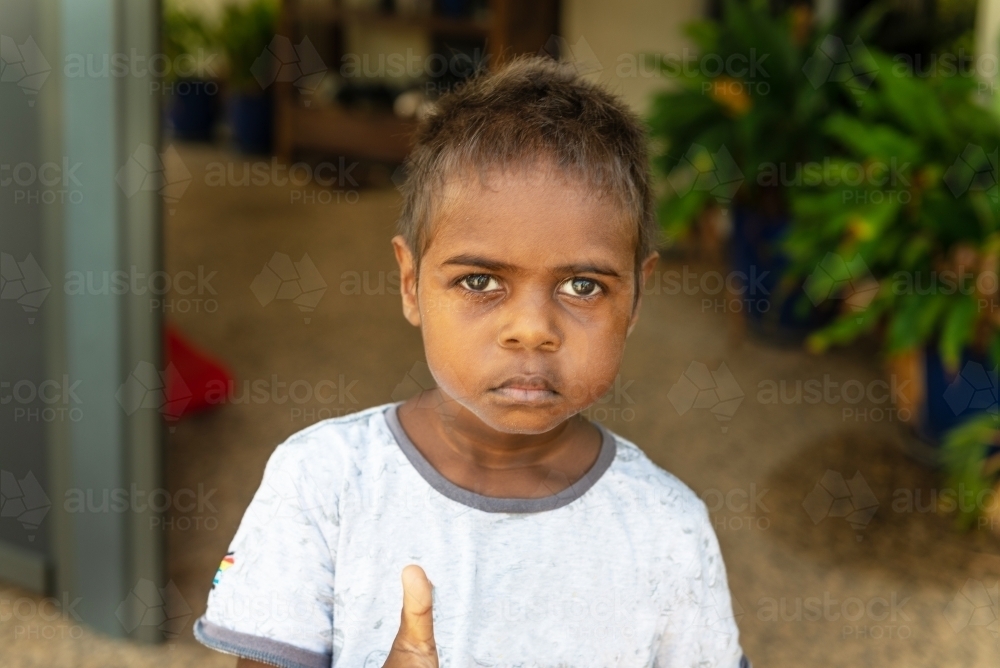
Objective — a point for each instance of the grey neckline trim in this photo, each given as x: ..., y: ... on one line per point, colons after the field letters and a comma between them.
x: 492, y: 504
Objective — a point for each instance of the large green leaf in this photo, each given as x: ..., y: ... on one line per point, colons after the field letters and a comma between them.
x: 912, y: 101
x: 872, y: 140
x: 963, y: 453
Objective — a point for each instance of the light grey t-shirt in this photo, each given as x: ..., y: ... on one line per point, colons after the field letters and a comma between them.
x: 621, y: 569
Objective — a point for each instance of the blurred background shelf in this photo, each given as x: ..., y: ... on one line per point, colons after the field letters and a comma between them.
x: 340, y: 130
x: 353, y: 112
x: 445, y: 25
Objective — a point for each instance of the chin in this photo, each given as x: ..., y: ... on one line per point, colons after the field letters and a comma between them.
x: 519, y: 418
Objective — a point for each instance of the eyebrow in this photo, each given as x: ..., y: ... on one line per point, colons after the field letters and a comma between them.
x: 496, y: 265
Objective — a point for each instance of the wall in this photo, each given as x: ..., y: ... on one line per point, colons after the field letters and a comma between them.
x: 24, y: 476
x: 67, y: 134
x: 609, y: 36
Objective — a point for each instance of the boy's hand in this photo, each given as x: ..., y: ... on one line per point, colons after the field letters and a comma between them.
x: 414, y: 645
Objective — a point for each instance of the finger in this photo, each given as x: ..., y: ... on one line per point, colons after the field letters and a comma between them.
x: 416, y: 624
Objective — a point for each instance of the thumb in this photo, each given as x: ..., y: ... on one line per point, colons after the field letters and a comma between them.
x: 417, y: 624
x: 414, y: 646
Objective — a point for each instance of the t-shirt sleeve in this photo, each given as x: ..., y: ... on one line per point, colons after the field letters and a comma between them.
x: 272, y: 597
x: 700, y: 628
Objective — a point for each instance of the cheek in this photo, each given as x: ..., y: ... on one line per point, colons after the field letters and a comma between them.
x: 596, y: 359
x: 453, y: 341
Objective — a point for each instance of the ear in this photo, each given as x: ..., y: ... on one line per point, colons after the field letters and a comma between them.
x: 407, y: 280
x: 648, y: 266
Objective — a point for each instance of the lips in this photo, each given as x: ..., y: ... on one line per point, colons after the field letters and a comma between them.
x: 533, y: 382
x: 532, y: 390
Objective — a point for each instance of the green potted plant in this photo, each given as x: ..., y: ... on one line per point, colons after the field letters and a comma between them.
x: 971, y: 457
x: 190, y: 79
x: 245, y: 32
x: 911, y: 243
x: 738, y: 122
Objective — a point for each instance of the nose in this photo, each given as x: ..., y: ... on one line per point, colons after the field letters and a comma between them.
x: 530, y: 323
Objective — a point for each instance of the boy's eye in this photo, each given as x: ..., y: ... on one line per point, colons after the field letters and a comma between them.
x: 480, y: 283
x: 580, y: 287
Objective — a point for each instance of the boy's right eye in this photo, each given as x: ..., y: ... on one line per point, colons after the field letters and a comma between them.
x: 480, y: 283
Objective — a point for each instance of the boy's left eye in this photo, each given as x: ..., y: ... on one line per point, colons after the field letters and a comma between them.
x: 580, y: 287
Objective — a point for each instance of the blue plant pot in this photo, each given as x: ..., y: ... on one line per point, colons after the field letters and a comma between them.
x: 193, y: 109
x: 251, y: 118
x: 755, y: 251
x: 455, y: 8
x: 954, y: 398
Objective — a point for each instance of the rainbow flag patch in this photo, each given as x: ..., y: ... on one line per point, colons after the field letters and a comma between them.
x: 227, y: 562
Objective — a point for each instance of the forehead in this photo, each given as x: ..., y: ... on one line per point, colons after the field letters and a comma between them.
x: 536, y: 213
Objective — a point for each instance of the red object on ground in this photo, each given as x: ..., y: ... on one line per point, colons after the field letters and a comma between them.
x: 194, y: 380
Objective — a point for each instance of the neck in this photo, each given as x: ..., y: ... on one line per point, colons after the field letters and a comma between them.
x: 468, y: 438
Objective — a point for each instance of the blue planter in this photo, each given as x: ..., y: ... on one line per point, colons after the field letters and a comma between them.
x: 455, y: 8
x: 193, y: 109
x: 755, y: 252
x: 954, y: 398
x: 251, y: 118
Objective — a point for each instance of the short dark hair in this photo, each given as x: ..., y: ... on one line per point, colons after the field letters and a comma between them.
x: 533, y: 108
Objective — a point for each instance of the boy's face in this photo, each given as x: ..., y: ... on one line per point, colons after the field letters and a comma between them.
x: 525, y: 297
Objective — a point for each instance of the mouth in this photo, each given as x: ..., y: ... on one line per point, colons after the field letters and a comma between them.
x: 531, y: 389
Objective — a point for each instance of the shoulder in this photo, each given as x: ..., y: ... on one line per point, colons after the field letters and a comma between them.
x: 329, y: 446
x: 654, y: 492
x: 666, y: 514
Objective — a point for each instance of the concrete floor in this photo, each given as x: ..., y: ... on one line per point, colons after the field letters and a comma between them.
x: 886, y: 592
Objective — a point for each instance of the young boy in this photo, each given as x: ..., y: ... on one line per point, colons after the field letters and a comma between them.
x: 526, y: 233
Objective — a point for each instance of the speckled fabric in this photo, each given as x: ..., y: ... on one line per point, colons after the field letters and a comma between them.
x: 623, y: 570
